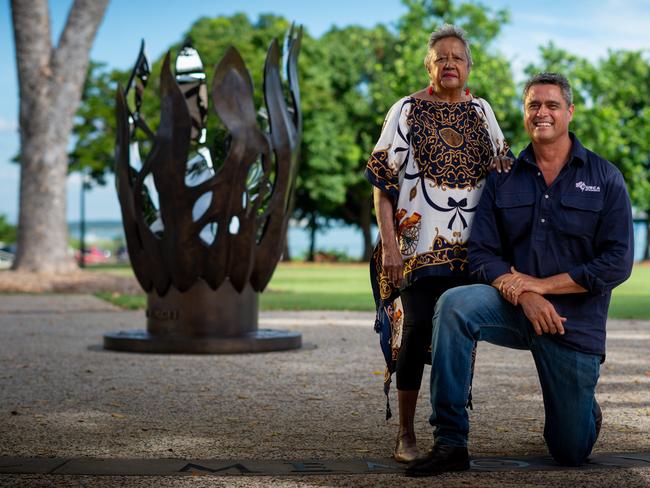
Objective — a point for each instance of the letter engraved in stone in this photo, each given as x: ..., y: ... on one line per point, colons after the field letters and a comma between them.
x: 496, y: 463
x: 160, y: 314
x: 191, y: 467
x: 310, y: 467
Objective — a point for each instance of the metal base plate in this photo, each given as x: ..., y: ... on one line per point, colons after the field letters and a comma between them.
x: 262, y: 340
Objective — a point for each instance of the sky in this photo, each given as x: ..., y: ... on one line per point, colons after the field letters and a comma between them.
x: 587, y: 28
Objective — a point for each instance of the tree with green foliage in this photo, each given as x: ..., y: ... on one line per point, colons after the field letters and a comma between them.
x: 7, y: 231
x: 343, y: 126
x: 93, y: 130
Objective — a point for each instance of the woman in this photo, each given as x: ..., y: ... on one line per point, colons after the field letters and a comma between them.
x: 428, y: 169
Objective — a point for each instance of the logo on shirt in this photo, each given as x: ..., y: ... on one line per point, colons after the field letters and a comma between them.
x: 584, y: 187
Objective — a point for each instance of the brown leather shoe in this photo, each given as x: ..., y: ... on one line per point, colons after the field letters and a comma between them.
x: 406, y: 450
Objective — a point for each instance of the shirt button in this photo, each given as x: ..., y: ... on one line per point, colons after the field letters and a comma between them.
x: 545, y: 196
x: 539, y: 174
x: 542, y: 220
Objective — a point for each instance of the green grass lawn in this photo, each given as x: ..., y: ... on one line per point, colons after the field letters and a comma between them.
x: 295, y: 286
x: 303, y: 286
x: 319, y: 287
x: 631, y: 300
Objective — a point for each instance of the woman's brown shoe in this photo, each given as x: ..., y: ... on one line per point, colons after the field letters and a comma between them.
x: 406, y: 449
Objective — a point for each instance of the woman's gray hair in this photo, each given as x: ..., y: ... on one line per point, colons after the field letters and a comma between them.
x: 551, y: 79
x: 448, y: 30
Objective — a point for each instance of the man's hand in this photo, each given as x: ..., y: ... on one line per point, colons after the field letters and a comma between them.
x: 541, y: 313
x: 513, y: 284
x: 498, y: 283
x: 391, y: 261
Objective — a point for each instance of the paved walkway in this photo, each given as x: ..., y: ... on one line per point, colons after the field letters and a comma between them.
x: 65, y: 400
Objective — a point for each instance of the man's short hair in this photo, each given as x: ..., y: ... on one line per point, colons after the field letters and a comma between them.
x: 551, y: 79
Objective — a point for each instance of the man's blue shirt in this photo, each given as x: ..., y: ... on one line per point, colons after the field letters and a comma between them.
x: 581, y: 224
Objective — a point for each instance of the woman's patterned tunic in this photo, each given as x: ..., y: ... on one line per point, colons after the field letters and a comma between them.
x: 432, y: 159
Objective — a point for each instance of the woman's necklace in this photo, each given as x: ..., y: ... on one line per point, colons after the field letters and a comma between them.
x: 434, y: 94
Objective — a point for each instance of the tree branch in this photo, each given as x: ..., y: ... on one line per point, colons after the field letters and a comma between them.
x: 32, y: 37
x: 71, y: 57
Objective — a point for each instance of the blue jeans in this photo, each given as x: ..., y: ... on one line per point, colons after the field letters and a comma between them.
x: 568, y: 377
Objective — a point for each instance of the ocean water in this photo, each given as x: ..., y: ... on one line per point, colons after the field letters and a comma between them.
x: 344, y: 239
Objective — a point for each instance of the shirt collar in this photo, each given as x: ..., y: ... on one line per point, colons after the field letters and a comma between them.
x: 578, y: 154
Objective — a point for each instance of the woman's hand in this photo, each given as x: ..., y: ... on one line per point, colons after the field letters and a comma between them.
x: 501, y: 164
x: 391, y: 261
x: 391, y: 257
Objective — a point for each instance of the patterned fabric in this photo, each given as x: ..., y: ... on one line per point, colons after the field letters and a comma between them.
x: 431, y: 159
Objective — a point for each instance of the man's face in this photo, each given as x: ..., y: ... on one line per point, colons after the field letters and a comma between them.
x: 546, y: 114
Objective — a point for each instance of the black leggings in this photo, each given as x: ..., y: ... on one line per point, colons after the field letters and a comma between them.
x: 419, y: 301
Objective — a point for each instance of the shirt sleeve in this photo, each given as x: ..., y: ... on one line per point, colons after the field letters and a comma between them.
x: 486, y: 262
x: 613, y: 242
x: 391, y: 151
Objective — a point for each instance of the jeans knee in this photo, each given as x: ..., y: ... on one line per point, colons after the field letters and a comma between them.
x: 461, y: 303
x: 451, y: 301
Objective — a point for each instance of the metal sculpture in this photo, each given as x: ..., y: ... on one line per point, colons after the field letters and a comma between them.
x: 204, y: 240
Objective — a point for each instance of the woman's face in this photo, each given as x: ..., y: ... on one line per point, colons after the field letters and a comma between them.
x: 448, y: 66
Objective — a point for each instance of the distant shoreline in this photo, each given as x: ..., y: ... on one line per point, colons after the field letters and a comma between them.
x: 338, y: 238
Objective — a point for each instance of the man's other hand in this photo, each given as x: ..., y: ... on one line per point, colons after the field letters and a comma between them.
x: 541, y: 313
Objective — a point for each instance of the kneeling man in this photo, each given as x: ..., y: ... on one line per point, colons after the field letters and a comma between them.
x: 552, y: 238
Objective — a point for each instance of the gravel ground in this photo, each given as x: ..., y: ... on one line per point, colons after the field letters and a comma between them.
x: 63, y: 396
